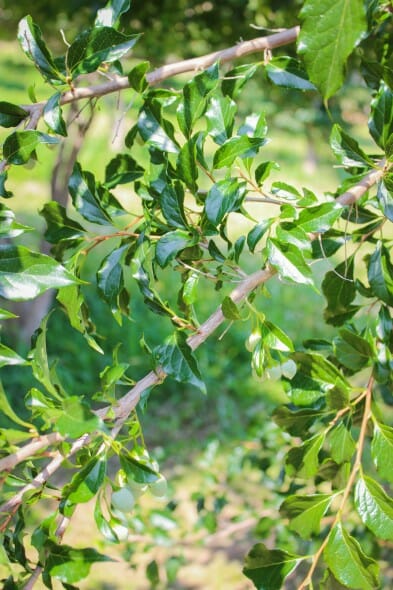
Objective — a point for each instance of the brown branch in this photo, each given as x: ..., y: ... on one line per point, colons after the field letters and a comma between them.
x: 28, y: 450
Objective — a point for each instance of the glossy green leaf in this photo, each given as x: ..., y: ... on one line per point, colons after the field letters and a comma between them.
x: 317, y: 367
x: 9, y: 228
x: 84, y: 196
x: 381, y: 119
x: 69, y: 565
x: 375, y: 508
x: 290, y: 233
x: 169, y: 246
x: 86, y: 483
x: 195, y: 95
x: 110, y: 14
x: 385, y: 196
x: 305, y: 513
x: 40, y: 362
x: 257, y: 233
x: 220, y: 118
x: 137, y: 76
x: 326, y: 43
x: 269, y: 568
x: 339, y: 288
x: 110, y: 278
x: 288, y: 72
x: 138, y: 469
x: 382, y: 450
x: 225, y: 196
x: 59, y: 225
x: 153, y: 133
x: 21, y: 145
x: 53, y: 115
x: 303, y: 460
x: 274, y: 338
x: 229, y: 309
x: 289, y: 262
x: 347, y: 150
x: 263, y: 170
x: 32, y: 43
x: 172, y: 205
x: 380, y: 274
x: 254, y: 126
x: 25, y: 274
x: 7, y: 410
x: 237, y: 147
x: 342, y: 445
x: 236, y: 79
x: 177, y: 360
x: 94, y: 46
x: 122, y: 169
x: 10, y: 357
x: 186, y: 166
x: 77, y: 418
x: 3, y: 191
x: 352, y: 351
x: 11, y: 114
x: 349, y: 564
x: 319, y: 218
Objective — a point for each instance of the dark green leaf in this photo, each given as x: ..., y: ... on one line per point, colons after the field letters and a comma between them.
x: 187, y: 168
x: 381, y: 120
x: 235, y: 79
x: 342, y: 445
x: 352, y: 351
x: 289, y: 262
x: 349, y: 564
x: 86, y: 483
x: 176, y: 359
x: 257, y: 233
x: 172, y: 205
x: 11, y: 115
x: 339, y: 288
x: 60, y: 227
x: 40, y: 363
x: 153, y: 133
x: 327, y: 42
x: 382, y: 450
x: 121, y: 170
x: 229, y: 309
x: 375, y: 508
x: 77, y: 418
x: 347, y: 150
x: 30, y: 39
x: 84, y: 196
x: 110, y: 14
x: 110, y: 280
x: 237, y: 147
x: 319, y: 218
x: 220, y: 118
x: 263, y: 170
x: 53, y: 115
x: 268, y: 568
x: 380, y: 274
x: 137, y: 76
x: 305, y: 513
x: 288, y: 72
x: 225, y: 196
x: 70, y: 565
x: 195, y: 96
x: 20, y: 145
x: 169, y: 246
x: 94, y: 46
x: 153, y: 573
x: 25, y: 274
x: 385, y: 196
x: 3, y: 191
x: 297, y: 422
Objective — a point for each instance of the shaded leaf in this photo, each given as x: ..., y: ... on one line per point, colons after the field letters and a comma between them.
x: 11, y: 114
x: 303, y: 460
x: 8, y: 226
x: 59, y: 225
x: 172, y: 243
x: 268, y: 568
x: 257, y: 233
x: 229, y: 309
x: 121, y: 170
x: 288, y: 72
x: 137, y: 76
x: 236, y: 78
x: 352, y: 351
x: 195, y: 96
x: 305, y: 512
x: 8, y: 411
x: 172, y: 205
x: 110, y: 279
x: 70, y: 565
x: 297, y: 422
x: 380, y: 274
x: 381, y: 119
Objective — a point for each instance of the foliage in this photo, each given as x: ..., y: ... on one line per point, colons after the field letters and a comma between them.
x: 193, y: 165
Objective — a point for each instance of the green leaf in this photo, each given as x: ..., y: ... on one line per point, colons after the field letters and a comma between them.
x: 382, y: 450
x: 288, y: 72
x: 20, y: 145
x: 30, y: 39
x: 69, y: 565
x: 347, y: 150
x: 110, y: 279
x: 172, y: 205
x: 316, y: 367
x: 40, y: 364
x: 177, y: 360
x: 375, y: 508
x: 137, y: 76
x: 305, y: 513
x: 237, y: 147
x: 25, y: 274
x: 86, y: 483
x: 263, y: 170
x: 352, y: 351
x: 385, y: 196
x: 319, y: 218
x: 7, y: 315
x: 153, y: 133
x: 122, y: 170
x: 137, y: 468
x: 10, y: 357
x: 289, y: 262
x: 274, y: 338
x: 53, y: 116
x: 380, y: 274
x: 195, y: 95
x: 8, y: 411
x: 298, y: 422
x: 59, y: 225
x: 327, y: 42
x: 110, y: 14
x: 186, y: 166
x: 268, y: 568
x: 288, y: 232
x: 229, y: 309
x: 381, y: 120
x: 257, y: 233
x: 342, y: 445
x: 348, y: 563
x: 84, y: 196
x: 3, y: 191
x: 169, y: 246
x: 11, y: 114
x: 94, y: 46
x: 77, y: 418
x: 220, y: 118
x: 225, y: 196
x: 8, y: 226
x: 303, y: 461
x: 338, y: 286
x: 235, y: 79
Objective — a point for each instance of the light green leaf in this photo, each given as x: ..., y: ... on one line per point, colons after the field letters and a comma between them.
x: 137, y: 76
x: 330, y: 31
x: 7, y: 410
x: 289, y: 262
x: 86, y: 483
x: 69, y: 565
x: 382, y: 450
x: 288, y: 72
x: 319, y: 218
x: 237, y: 147
x: 349, y: 564
x: 342, y: 445
x: 10, y: 357
x: 305, y: 513
x: 220, y: 118
x: 20, y: 145
x: 229, y: 309
x: 347, y: 150
x: 302, y: 461
x: 8, y: 226
x: 25, y: 274
x: 375, y: 508
x: 268, y: 568
x: 137, y: 469
x: 77, y: 418
x: 40, y: 363
x: 352, y: 351
x: 110, y: 14
x: 7, y: 315
x: 169, y: 246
